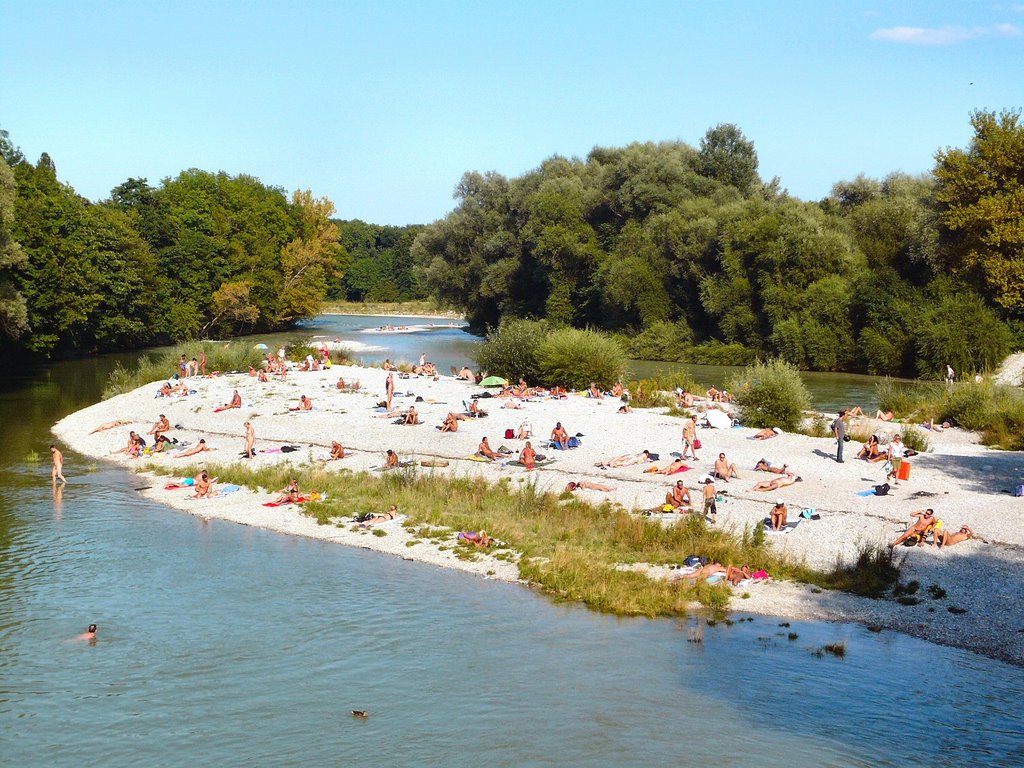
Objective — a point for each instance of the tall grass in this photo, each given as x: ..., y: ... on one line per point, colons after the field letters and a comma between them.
x: 995, y: 410
x: 161, y: 366
x: 569, y: 547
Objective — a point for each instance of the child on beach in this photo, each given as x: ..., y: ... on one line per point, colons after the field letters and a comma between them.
x: 710, y: 505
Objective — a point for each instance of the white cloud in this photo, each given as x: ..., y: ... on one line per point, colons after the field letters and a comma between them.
x: 948, y: 35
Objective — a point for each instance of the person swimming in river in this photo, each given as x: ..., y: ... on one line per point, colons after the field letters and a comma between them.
x: 88, y: 635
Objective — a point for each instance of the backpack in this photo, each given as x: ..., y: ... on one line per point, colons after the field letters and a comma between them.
x: 510, y: 434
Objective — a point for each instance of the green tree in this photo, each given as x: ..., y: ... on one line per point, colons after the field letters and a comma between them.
x: 981, y: 197
x: 13, y: 309
x: 727, y: 156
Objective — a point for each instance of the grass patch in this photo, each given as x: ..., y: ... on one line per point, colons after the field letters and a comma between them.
x: 161, y: 366
x: 570, y: 548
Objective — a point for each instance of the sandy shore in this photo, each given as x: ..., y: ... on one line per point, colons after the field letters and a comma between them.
x: 984, y: 578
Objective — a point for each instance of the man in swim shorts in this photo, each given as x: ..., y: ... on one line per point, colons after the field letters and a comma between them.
x: 710, y: 496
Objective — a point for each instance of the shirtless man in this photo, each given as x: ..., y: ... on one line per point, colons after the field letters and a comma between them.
x: 465, y: 374
x: 57, y: 473
x: 926, y: 520
x: 594, y: 392
x: 475, y: 410
x: 944, y: 538
x: 527, y: 456
x: 671, y: 467
x: 778, y: 515
x: 678, y: 497
x: 389, y: 390
x: 884, y: 415
x: 690, y: 437
x: 337, y: 451
x: 587, y: 485
x: 388, y: 365
x: 411, y: 418
x: 626, y: 460
x: 451, y: 423
x: 724, y: 470
x: 200, y: 447
x: 763, y: 465
x: 204, y: 485
x: 780, y: 482
x: 484, y: 449
x: 710, y: 503
x: 250, y: 440
x: 162, y: 425
x: 110, y: 425
x: 235, y: 402
x: 559, y: 436
x: 305, y: 404
x: 202, y: 363
x: 392, y: 459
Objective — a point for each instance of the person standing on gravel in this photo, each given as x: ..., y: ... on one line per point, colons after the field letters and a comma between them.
x: 690, y: 437
x: 839, y: 430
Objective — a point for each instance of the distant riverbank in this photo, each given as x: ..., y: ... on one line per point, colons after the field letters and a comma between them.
x: 424, y: 308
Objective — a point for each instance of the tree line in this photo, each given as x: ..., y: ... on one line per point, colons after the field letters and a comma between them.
x: 200, y: 255
x: 689, y: 255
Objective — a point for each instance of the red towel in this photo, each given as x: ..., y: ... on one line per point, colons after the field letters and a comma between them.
x: 301, y: 499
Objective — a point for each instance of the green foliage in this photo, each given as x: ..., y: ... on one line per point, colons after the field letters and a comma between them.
x: 771, y: 394
x: 728, y: 157
x: 13, y: 310
x: 718, y: 353
x: 659, y: 391
x: 914, y: 438
x: 960, y: 331
x: 512, y: 350
x: 235, y: 356
x: 380, y: 266
x: 660, y: 340
x: 573, y: 358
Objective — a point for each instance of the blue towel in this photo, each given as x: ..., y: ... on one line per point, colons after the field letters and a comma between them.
x: 868, y: 492
x: 230, y: 488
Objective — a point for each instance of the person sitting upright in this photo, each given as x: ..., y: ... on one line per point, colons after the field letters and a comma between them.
x: 411, y: 418
x: 450, y: 424
x: 560, y: 437
x: 305, y: 404
x: 235, y: 402
x: 162, y: 425
x: 594, y: 392
x: 926, y: 521
x: 484, y: 449
x: 337, y: 451
x: 527, y: 456
x: 678, y: 498
x: 724, y: 469
x: 778, y: 515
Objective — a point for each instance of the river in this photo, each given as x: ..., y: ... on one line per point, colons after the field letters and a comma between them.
x: 219, y: 644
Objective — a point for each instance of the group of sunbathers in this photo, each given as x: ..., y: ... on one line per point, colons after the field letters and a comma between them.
x: 927, y: 524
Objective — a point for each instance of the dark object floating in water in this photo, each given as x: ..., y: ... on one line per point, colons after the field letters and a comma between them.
x: 360, y: 713
x: 144, y: 488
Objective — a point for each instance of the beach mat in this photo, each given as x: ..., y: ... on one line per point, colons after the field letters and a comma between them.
x: 544, y: 463
x: 784, y: 530
x: 477, y: 457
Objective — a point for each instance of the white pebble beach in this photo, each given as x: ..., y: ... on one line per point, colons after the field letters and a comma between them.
x: 969, y: 484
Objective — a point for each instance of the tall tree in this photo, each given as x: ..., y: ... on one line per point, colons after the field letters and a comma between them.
x: 13, y: 309
x: 727, y: 156
x: 981, y: 194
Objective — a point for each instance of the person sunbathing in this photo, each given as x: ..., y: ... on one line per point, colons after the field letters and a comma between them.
x: 767, y: 433
x: 671, y: 468
x: 678, y: 498
x: 199, y: 447
x: 109, y: 425
x: 763, y: 465
x: 588, y: 486
x: 236, y: 402
x: 411, y: 418
x: 341, y: 383
x: 931, y: 426
x: 204, y: 485
x: 617, y: 389
x: 944, y: 538
x: 733, y: 575
x: 724, y: 470
x: 450, y: 424
x: 162, y: 425
x: 388, y: 366
x: 480, y: 540
x: 392, y: 459
x: 780, y: 482
x: 484, y: 449
x: 626, y: 460
x: 525, y: 430
x: 521, y: 389
x: 684, y: 400
x: 884, y: 415
x: 594, y: 392
x: 161, y: 444
x: 475, y: 410
x: 855, y: 411
x: 262, y: 377
x: 382, y: 517
x: 290, y: 493
x: 624, y: 408
x: 252, y: 372
x: 559, y: 436
x: 512, y: 405
x: 778, y: 515
x: 872, y: 451
x: 714, y: 395
x: 926, y: 521
x: 466, y: 374
x: 132, y: 447
x: 389, y: 414
x: 305, y: 404
x: 337, y: 451
x: 165, y: 390
x: 527, y: 456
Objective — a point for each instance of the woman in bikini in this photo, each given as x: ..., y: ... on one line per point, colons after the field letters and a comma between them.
x: 383, y: 517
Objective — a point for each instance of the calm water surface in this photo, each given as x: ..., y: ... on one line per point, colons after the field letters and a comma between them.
x: 221, y: 644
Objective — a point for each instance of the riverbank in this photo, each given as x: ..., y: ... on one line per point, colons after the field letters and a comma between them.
x: 981, y: 578
x: 389, y: 309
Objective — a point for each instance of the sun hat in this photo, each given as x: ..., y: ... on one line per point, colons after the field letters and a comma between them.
x: 779, y: 502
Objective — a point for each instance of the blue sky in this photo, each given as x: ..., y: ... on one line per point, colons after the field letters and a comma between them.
x: 381, y: 106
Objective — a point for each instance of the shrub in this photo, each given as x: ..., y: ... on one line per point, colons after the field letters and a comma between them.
x: 914, y: 438
x: 234, y: 356
x: 657, y: 391
x: 574, y: 358
x: 961, y: 331
x: 771, y: 394
x: 658, y: 341
x: 901, y: 399
x: 511, y: 349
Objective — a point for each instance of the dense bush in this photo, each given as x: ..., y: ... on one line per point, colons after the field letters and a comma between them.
x: 659, y: 341
x: 960, y: 331
x: 771, y: 394
x: 511, y: 349
x: 658, y: 391
x: 574, y: 358
x: 720, y: 353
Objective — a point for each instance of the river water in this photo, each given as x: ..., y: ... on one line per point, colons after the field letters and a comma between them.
x: 223, y: 645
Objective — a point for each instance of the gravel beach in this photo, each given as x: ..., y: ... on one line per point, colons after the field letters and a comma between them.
x: 965, y: 483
